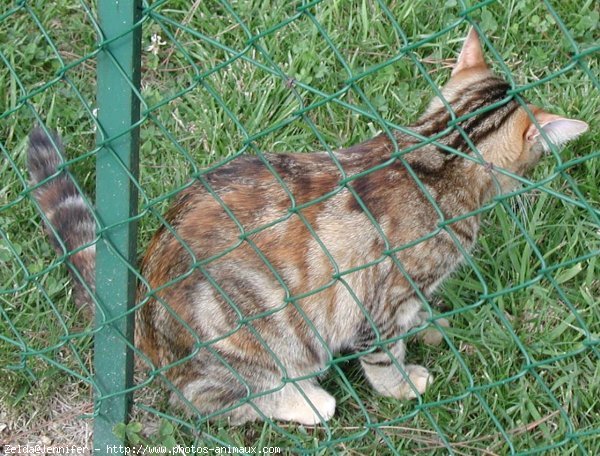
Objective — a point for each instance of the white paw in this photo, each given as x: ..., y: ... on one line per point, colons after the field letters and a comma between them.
x: 297, y: 408
x: 324, y: 403
x: 420, y: 379
x: 432, y: 336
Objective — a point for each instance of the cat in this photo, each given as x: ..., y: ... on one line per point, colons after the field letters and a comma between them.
x: 255, y: 352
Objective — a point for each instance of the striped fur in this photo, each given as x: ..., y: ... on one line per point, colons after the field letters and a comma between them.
x: 216, y: 317
x: 68, y: 219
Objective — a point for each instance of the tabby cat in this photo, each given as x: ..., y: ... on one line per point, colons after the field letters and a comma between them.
x: 275, y: 342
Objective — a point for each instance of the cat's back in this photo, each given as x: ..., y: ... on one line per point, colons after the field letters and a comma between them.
x: 251, y: 194
x: 250, y: 187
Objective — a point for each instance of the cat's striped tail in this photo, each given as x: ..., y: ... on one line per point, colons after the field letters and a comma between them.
x: 68, y: 216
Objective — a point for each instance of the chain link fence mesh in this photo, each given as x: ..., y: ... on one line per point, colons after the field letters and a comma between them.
x: 519, y: 369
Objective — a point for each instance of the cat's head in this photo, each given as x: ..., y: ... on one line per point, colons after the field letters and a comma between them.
x: 504, y: 133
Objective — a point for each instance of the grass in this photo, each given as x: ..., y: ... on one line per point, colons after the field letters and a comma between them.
x: 519, y: 370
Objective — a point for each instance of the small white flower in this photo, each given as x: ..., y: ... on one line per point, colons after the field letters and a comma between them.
x: 95, y: 114
x: 157, y: 42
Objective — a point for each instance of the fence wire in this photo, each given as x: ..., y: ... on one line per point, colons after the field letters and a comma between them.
x: 519, y: 370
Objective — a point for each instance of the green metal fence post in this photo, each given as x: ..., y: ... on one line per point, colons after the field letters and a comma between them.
x: 118, y: 74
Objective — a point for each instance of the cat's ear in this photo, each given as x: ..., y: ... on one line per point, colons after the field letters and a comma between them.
x: 471, y: 54
x: 559, y: 130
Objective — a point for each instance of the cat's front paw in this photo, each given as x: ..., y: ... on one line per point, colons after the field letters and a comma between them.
x: 432, y: 335
x: 420, y: 379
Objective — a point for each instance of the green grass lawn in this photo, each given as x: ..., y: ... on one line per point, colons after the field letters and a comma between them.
x: 519, y: 370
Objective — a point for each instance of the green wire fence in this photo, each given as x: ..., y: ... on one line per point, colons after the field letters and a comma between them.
x: 190, y: 86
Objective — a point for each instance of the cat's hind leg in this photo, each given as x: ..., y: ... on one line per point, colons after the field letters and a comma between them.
x: 303, y: 402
